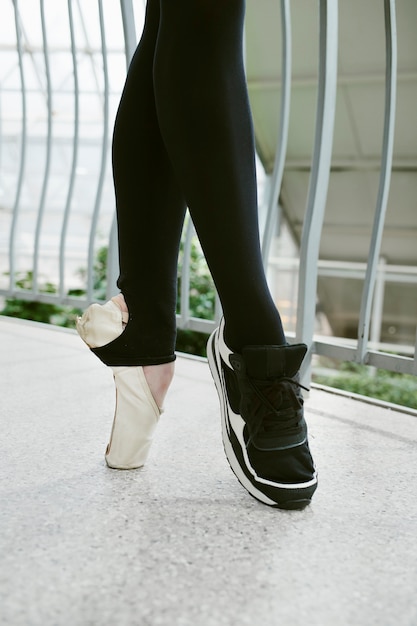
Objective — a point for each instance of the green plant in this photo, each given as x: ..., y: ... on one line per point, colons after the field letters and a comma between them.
x: 99, y: 275
x: 50, y: 313
x: 387, y: 386
x: 201, y: 299
x: 46, y: 312
x: 380, y: 384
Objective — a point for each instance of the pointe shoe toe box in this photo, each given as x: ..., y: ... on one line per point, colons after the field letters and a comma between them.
x: 135, y: 420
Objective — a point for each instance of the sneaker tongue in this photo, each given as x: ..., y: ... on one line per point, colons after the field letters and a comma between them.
x: 273, y: 361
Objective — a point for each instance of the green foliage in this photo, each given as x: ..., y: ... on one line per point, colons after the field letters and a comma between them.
x: 39, y: 311
x: 50, y: 313
x: 191, y: 342
x: 99, y: 276
x: 380, y: 384
x: 201, y: 300
x: 202, y: 294
x: 387, y: 386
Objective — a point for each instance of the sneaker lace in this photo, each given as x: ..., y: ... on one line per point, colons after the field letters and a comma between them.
x: 275, y: 406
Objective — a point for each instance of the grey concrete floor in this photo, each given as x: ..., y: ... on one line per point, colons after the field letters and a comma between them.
x: 179, y: 542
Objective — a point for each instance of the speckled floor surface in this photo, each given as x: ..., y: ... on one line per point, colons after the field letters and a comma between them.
x: 180, y: 542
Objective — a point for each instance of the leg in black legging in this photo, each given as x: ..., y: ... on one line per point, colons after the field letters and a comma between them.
x: 150, y: 215
x: 205, y: 120
x: 184, y: 124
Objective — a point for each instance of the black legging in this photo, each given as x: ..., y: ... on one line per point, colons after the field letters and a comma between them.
x: 183, y: 136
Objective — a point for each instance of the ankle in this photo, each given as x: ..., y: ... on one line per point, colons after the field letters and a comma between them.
x: 120, y: 302
x: 159, y: 378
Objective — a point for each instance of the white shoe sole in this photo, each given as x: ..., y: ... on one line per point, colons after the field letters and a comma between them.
x: 216, y: 372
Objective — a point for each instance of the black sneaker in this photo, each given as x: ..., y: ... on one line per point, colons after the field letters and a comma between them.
x: 263, y: 427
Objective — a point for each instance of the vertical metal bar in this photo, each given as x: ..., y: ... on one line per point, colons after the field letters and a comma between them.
x: 282, y: 141
x: 112, y: 268
x: 75, y: 140
x: 218, y: 311
x: 95, y: 74
x: 319, y: 177
x: 104, y: 148
x: 378, y: 303
x: 19, y: 184
x: 378, y: 309
x: 129, y: 32
x: 1, y: 129
x: 41, y: 209
x: 384, y: 179
x: 185, y: 275
x: 414, y: 368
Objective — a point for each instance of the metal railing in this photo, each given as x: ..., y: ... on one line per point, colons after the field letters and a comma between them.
x: 41, y: 59
x: 360, y: 350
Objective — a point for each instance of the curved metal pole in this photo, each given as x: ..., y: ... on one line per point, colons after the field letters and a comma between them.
x: 282, y: 141
x: 1, y: 131
x: 103, y: 163
x: 19, y: 185
x: 414, y: 368
x: 384, y: 179
x: 70, y: 192
x: 319, y: 177
x: 185, y: 275
x: 129, y: 32
x: 41, y: 209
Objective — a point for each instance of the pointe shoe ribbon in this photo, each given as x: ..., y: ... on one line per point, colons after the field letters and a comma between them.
x: 136, y: 415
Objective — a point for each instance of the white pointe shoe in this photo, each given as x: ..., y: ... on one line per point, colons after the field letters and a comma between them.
x: 136, y: 415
